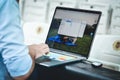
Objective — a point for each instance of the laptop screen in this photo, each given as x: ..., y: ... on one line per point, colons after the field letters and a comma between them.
x: 73, y: 30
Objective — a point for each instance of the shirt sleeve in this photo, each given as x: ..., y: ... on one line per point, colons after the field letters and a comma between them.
x: 14, y: 52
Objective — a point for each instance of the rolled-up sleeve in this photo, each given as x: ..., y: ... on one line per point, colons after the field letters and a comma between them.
x: 18, y: 65
x: 14, y: 53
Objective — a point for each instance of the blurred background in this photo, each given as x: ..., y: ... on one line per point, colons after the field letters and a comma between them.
x: 37, y: 15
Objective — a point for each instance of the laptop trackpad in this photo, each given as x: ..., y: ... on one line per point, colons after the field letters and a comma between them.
x: 43, y: 59
x: 47, y: 61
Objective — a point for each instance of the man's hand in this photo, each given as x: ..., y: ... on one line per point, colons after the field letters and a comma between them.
x: 38, y: 50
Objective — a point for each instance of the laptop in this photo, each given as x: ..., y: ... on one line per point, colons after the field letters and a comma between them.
x: 70, y: 36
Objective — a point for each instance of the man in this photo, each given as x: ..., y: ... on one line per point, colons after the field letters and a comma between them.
x: 16, y: 60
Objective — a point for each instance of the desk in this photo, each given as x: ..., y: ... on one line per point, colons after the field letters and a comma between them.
x: 74, y: 71
x: 49, y: 73
x: 90, y: 73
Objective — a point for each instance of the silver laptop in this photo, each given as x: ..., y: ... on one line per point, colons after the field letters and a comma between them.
x: 70, y: 36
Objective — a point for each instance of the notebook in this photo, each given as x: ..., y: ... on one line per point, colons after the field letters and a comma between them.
x: 70, y: 36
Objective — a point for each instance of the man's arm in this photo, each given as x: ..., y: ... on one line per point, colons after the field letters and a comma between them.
x: 35, y: 51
